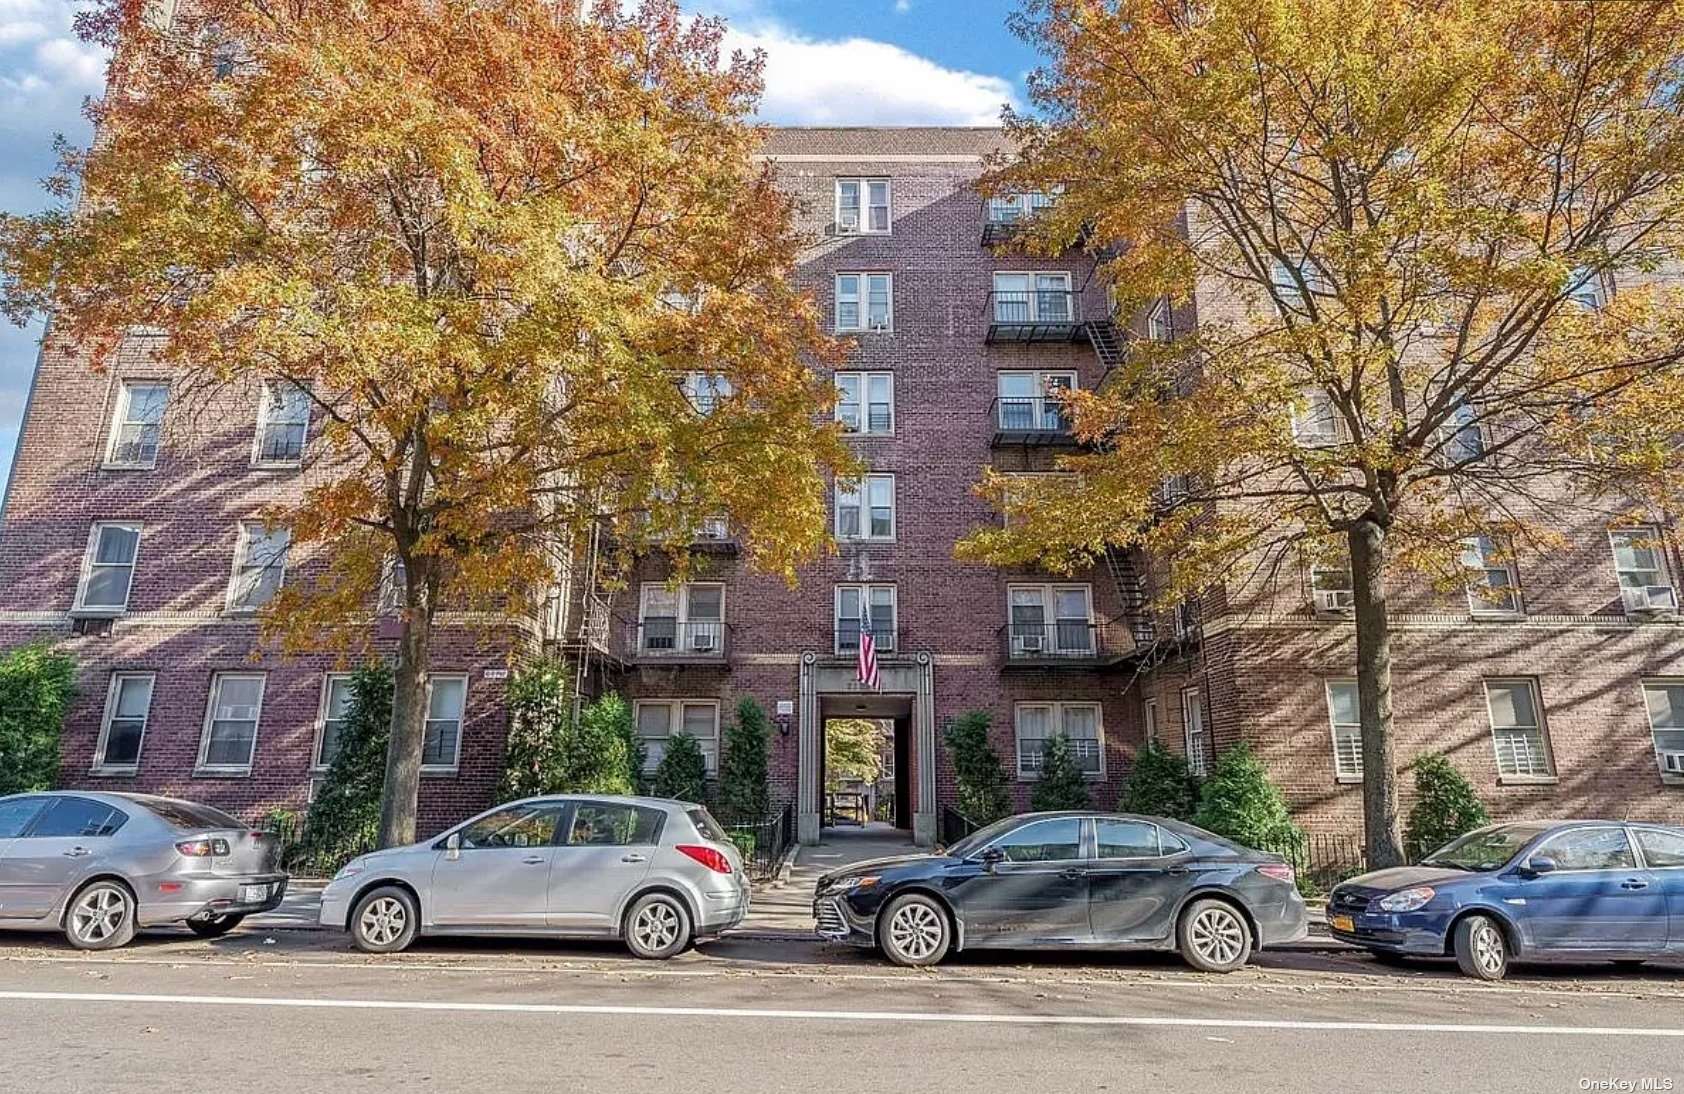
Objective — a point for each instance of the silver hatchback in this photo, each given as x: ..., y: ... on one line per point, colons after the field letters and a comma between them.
x: 97, y: 866
x: 654, y: 873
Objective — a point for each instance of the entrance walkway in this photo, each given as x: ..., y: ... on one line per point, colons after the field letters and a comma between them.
x: 788, y: 909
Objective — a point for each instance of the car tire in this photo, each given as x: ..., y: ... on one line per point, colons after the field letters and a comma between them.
x: 1482, y: 950
x: 1213, y: 936
x: 101, y: 916
x: 657, y: 927
x: 913, y: 931
x: 215, y: 926
x: 385, y: 920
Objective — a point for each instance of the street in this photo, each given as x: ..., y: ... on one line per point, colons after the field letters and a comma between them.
x: 286, y: 1009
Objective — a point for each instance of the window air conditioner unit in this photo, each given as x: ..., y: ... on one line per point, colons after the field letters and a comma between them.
x: 1672, y: 763
x: 1650, y: 598
x: 878, y: 324
x: 1030, y: 643
x: 847, y: 228
x: 703, y: 641
x: 1335, y: 601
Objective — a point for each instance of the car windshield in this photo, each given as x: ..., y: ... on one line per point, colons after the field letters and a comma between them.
x: 1485, y: 849
x: 188, y: 814
x: 979, y: 839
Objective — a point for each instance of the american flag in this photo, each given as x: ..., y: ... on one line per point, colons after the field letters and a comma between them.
x: 868, y: 674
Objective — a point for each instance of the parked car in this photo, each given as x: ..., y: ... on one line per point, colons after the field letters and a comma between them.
x: 1585, y: 890
x: 1069, y: 881
x: 656, y: 874
x: 98, y: 866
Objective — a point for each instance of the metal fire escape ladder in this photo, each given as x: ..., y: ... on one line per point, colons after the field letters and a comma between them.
x: 1107, y: 344
x: 1132, y: 595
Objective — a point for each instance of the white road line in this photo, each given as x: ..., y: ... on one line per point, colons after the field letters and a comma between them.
x: 836, y: 1015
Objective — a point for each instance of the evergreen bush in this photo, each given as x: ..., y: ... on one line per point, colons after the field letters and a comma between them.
x: 344, y: 819
x: 1446, y: 806
x: 540, y: 704
x: 37, y: 683
x: 682, y: 773
x: 1240, y: 801
x: 1062, y: 784
x: 983, y: 796
x: 595, y: 756
x: 744, y: 780
x: 1158, y: 784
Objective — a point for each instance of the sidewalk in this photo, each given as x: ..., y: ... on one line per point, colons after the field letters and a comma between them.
x: 785, y: 910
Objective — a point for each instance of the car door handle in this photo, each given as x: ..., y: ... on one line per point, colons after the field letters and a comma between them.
x: 77, y: 852
x: 634, y: 858
x: 1175, y: 871
x: 535, y: 860
x: 1634, y: 883
x: 1073, y: 874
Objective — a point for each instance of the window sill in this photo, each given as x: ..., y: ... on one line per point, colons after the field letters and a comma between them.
x: 103, y: 772
x: 1099, y: 778
x: 98, y: 613
x: 439, y: 772
x: 1348, y: 780
x: 128, y: 467
x: 222, y: 772
x: 1527, y: 780
x: 1496, y: 617
x: 266, y: 465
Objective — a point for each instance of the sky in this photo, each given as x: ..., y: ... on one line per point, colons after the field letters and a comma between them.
x: 864, y: 62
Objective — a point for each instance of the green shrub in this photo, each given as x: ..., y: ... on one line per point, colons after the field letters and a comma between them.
x: 744, y: 789
x: 1239, y: 801
x: 682, y: 773
x: 1446, y: 806
x: 982, y: 797
x: 1062, y: 784
x: 1158, y: 784
x: 37, y: 683
x: 596, y: 750
x: 540, y: 703
x: 344, y: 818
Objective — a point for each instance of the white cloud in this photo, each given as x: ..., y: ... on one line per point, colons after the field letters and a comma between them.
x: 902, y: 6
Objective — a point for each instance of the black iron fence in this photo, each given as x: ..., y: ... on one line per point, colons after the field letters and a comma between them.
x: 953, y: 826
x: 1324, y: 859
x: 321, y: 856
x: 763, y: 841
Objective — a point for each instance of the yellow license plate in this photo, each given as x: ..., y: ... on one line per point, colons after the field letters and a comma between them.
x: 1341, y: 923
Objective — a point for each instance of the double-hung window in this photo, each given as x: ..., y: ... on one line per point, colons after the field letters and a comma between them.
x: 137, y: 427
x: 1150, y: 716
x: 1345, y: 713
x: 1160, y: 321
x: 1028, y: 402
x: 1492, y: 585
x: 1664, y: 700
x: 863, y: 206
x: 283, y: 424
x: 128, y: 703
x: 1331, y: 589
x: 1284, y: 280
x: 865, y: 508
x: 687, y: 619
x: 865, y: 402
x: 1586, y: 288
x: 1517, y: 729
x: 1641, y: 569
x: 1195, y: 733
x: 1043, y: 297
x: 1051, y: 620
x: 865, y: 301
x: 1464, y: 435
x: 108, y: 568
x: 447, y: 704
x: 866, y: 607
x: 706, y: 392
x: 230, y: 735
x: 1315, y: 419
x: 1079, y: 723
x: 336, y: 701
x: 659, y: 720
x: 260, y: 565
x: 1012, y: 208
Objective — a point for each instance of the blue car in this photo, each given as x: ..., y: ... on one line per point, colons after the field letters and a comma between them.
x: 1534, y: 890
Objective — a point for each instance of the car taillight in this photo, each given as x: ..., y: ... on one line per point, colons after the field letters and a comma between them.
x: 202, y: 848
x: 1280, y: 871
x: 710, y: 857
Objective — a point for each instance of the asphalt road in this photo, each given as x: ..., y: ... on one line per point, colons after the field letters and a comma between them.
x: 299, y: 1011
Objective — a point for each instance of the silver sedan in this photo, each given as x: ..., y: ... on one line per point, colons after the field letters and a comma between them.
x: 654, y: 873
x: 97, y: 866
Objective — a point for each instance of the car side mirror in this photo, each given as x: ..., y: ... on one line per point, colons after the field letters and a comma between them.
x: 453, y: 846
x: 1535, y: 867
x: 991, y: 857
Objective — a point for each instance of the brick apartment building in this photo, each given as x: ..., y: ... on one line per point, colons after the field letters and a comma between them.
x: 129, y: 535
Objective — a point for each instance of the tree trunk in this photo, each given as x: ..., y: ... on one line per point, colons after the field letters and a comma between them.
x: 1374, y: 694
x: 399, y: 794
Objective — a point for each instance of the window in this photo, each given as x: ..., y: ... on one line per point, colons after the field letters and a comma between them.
x: 1589, y: 849
x: 336, y: 700
x: 108, y: 568
x: 1664, y: 700
x: 260, y: 564
x: 607, y: 824
x: 875, y: 311
x: 1037, y: 723
x: 1033, y: 298
x: 1195, y: 734
x: 1517, y: 730
x: 230, y: 737
x: 1151, y: 718
x: 78, y: 818
x: 873, y: 195
x: 1160, y: 321
x: 1492, y: 588
x: 882, y: 621
x: 1464, y: 435
x: 1051, y: 620
x: 1028, y: 401
x: 1057, y: 839
x: 127, y: 705
x: 865, y: 402
x: 1127, y: 839
x: 1012, y: 208
x: 1661, y: 849
x: 394, y: 586
x: 1345, y: 713
x: 1315, y: 420
x: 283, y: 423
x: 685, y: 619
x: 1283, y: 279
x: 447, y: 703
x: 865, y: 508
x: 1330, y: 588
x: 137, y: 427
x: 531, y: 825
x: 1641, y: 569
x: 659, y: 719
x: 1586, y: 288
x: 16, y: 813
x: 706, y: 392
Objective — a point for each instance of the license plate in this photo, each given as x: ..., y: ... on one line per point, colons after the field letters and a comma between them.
x: 1341, y: 923
x: 254, y: 894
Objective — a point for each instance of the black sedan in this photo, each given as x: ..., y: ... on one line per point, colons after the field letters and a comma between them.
x: 1069, y: 881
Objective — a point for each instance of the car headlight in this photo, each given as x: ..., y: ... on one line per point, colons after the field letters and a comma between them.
x: 849, y: 884
x: 1408, y: 900
x: 350, y: 869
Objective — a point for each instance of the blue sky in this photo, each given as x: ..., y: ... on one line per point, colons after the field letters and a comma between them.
x: 866, y: 62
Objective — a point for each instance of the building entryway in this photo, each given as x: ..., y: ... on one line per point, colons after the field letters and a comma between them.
x: 866, y: 775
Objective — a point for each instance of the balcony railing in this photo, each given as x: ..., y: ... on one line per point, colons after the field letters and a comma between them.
x: 659, y: 639
x: 1065, y: 643
x: 1034, y: 315
x: 1030, y: 421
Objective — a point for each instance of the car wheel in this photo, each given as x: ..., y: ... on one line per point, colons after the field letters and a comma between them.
x: 100, y: 917
x: 214, y: 926
x: 1481, y: 950
x: 1213, y: 936
x: 657, y: 927
x: 913, y: 931
x: 385, y: 920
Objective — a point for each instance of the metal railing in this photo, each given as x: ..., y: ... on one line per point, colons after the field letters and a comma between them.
x: 1061, y: 641
x: 673, y: 638
x: 1029, y: 307
x: 763, y: 841
x: 953, y: 826
x: 322, y: 855
x: 1324, y: 859
x: 1029, y: 415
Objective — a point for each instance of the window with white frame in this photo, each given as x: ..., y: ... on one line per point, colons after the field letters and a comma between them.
x: 681, y: 619
x: 659, y: 720
x: 1051, y: 620
x: 1664, y: 701
x: 447, y: 704
x: 1331, y: 589
x: 1150, y: 715
x: 1160, y: 321
x: 1029, y: 401
x: 1345, y: 713
x: 128, y: 703
x: 1464, y: 435
x: 1493, y: 588
x: 1517, y: 729
x: 108, y: 567
x: 230, y: 736
x: 1034, y: 297
x: 1586, y: 288
x: 865, y: 301
x: 1195, y: 733
x: 866, y: 607
x: 1641, y: 568
x: 283, y: 423
x: 1315, y: 419
x: 706, y: 392
x: 260, y: 565
x: 138, y: 424
x: 336, y: 701
x: 394, y: 585
x: 1079, y: 723
x: 863, y: 206
x: 1284, y: 279
x: 1013, y: 208
x: 865, y: 402
x: 865, y: 508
